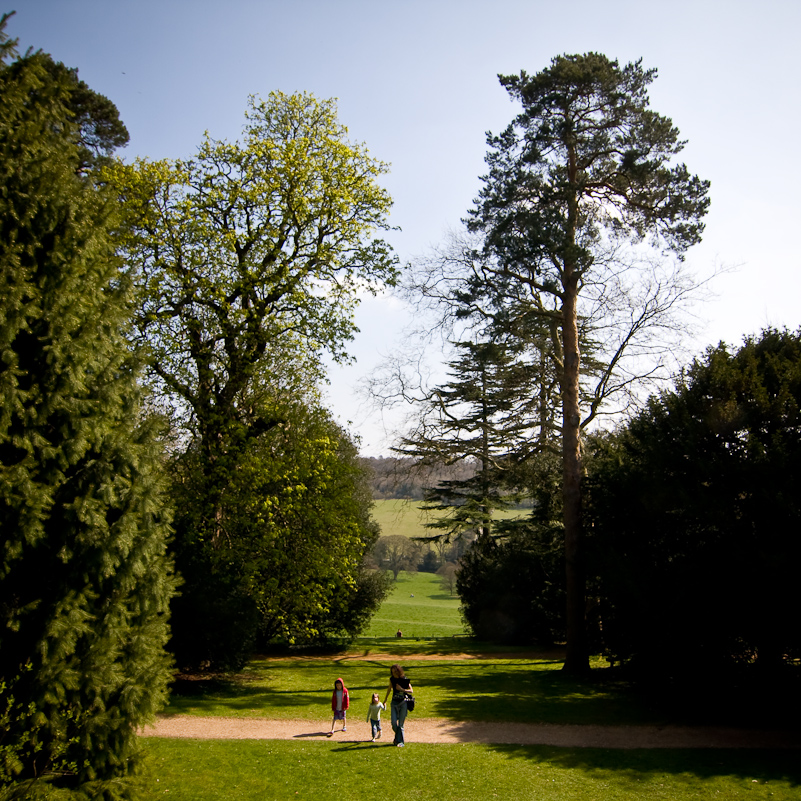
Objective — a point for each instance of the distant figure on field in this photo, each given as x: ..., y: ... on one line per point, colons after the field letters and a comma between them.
x: 399, y: 634
x: 399, y: 686
x: 374, y: 716
x: 340, y: 702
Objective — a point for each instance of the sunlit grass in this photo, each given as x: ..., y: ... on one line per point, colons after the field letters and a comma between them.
x: 187, y: 770
x: 479, y: 689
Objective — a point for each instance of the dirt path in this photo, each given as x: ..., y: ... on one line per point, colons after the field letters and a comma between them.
x: 431, y: 730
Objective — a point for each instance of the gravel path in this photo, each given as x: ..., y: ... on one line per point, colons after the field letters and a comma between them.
x: 431, y: 730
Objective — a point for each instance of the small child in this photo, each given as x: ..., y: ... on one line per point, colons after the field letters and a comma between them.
x: 374, y: 716
x: 339, y: 703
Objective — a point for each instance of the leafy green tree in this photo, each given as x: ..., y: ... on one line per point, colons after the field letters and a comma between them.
x: 695, y: 513
x: 250, y: 259
x: 85, y: 581
x: 96, y: 124
x: 288, y: 565
x: 584, y: 169
x: 248, y: 249
x: 512, y: 587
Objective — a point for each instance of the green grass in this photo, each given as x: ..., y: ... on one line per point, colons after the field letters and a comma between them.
x: 398, y: 516
x: 485, y: 689
x: 420, y: 608
x: 209, y: 770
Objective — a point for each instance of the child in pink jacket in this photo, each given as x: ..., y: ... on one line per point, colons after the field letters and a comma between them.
x: 340, y: 702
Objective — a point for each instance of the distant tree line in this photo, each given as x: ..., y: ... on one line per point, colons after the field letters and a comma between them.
x: 405, y: 478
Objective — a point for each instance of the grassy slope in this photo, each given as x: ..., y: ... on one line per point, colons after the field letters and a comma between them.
x: 419, y: 607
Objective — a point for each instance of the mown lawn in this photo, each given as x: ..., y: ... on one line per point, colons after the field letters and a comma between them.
x: 491, y: 689
x: 187, y: 770
x: 456, y: 679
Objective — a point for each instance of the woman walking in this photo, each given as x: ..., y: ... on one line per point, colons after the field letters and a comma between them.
x: 399, y: 686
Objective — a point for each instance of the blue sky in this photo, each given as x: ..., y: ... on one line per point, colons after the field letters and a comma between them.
x: 417, y: 82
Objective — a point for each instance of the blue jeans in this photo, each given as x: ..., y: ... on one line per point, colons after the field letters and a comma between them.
x: 399, y: 713
x: 375, y: 727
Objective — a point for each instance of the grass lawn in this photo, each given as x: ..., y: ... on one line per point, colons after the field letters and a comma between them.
x: 420, y: 608
x: 193, y: 770
x: 514, y: 690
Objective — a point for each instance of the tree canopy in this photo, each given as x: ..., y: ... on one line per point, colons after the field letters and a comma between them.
x: 246, y: 253
x: 289, y: 566
x: 481, y: 416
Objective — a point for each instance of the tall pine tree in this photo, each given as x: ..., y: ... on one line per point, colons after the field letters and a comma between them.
x: 85, y: 580
x: 585, y: 173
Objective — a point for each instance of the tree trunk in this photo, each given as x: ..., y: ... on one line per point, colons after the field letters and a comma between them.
x: 576, y: 658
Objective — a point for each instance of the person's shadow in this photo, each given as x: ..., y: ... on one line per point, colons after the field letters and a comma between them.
x: 360, y: 745
x: 344, y: 745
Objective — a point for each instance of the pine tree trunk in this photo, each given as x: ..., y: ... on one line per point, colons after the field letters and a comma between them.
x: 576, y: 658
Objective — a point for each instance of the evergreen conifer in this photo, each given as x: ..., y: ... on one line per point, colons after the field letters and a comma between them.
x: 85, y: 579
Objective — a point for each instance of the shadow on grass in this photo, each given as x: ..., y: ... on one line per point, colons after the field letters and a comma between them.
x: 525, y: 692
x: 359, y: 745
x: 647, y: 765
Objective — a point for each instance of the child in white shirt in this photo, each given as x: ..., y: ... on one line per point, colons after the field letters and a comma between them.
x: 374, y: 716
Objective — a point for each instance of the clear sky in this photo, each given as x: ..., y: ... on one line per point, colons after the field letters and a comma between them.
x: 417, y: 82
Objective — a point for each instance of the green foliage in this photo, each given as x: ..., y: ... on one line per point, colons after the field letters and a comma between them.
x: 512, y: 588
x: 84, y: 577
x: 481, y: 416
x: 695, y: 512
x: 253, y: 246
x: 287, y: 565
x: 586, y: 158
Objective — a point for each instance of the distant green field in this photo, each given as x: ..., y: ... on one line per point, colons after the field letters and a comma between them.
x: 419, y: 607
x: 400, y: 517
x: 397, y: 516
